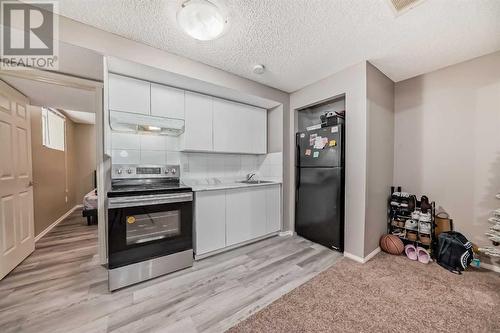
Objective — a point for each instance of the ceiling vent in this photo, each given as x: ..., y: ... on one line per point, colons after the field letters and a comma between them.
x: 402, y: 6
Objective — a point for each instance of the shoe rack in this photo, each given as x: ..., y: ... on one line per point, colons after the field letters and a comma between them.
x: 400, y: 211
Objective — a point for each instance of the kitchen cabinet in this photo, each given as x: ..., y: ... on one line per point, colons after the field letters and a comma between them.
x: 211, y: 124
x: 273, y: 209
x: 167, y: 101
x: 198, y: 131
x: 128, y: 95
x: 225, y: 218
x: 239, y: 128
x: 227, y: 126
x: 210, y: 221
x: 245, y: 214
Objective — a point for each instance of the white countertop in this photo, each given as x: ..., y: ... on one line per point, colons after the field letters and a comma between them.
x: 214, y: 184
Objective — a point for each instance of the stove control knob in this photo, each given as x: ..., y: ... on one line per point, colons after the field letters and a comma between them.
x: 129, y: 171
x: 119, y: 171
x: 173, y: 171
x: 166, y: 171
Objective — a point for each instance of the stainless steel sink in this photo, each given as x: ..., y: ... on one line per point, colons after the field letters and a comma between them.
x: 255, y: 182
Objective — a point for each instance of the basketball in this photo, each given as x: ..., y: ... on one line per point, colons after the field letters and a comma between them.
x: 391, y: 244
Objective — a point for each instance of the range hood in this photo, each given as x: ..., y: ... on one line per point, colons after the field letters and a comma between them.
x: 137, y: 123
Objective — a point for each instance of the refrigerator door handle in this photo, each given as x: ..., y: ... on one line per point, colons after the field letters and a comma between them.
x: 297, y: 163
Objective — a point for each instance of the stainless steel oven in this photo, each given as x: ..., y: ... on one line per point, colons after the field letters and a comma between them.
x: 150, y: 228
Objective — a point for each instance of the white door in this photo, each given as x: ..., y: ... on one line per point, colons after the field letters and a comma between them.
x: 210, y: 221
x: 16, y: 191
x: 198, y: 123
x: 167, y: 101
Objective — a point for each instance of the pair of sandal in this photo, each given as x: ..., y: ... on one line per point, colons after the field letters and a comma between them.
x: 417, y: 253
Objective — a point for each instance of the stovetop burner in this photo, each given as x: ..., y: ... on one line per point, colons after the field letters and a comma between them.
x: 145, y: 180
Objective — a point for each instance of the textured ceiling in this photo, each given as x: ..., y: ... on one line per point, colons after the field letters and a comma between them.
x: 303, y: 41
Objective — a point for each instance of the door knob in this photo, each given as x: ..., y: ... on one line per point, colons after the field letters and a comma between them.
x: 30, y: 184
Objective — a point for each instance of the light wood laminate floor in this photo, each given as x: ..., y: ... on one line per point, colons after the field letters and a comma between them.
x: 62, y: 288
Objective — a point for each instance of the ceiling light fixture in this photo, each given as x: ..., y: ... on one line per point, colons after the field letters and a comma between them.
x: 202, y: 19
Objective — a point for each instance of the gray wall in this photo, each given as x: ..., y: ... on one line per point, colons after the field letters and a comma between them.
x: 380, y: 154
x: 448, y: 140
x: 275, y: 129
x: 53, y: 174
x: 86, y: 164
x: 350, y: 82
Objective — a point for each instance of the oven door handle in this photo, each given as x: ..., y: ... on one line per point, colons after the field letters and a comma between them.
x: 148, y: 200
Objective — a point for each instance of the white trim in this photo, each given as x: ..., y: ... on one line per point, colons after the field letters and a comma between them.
x: 354, y: 257
x: 59, y: 220
x: 286, y: 233
x: 372, y: 254
x: 490, y: 267
x: 362, y: 260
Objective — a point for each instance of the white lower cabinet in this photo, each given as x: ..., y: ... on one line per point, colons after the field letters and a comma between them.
x: 245, y: 214
x: 273, y: 209
x: 225, y: 218
x: 210, y: 221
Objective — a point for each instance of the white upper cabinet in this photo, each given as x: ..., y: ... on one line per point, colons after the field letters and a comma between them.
x: 198, y: 123
x: 128, y: 95
x: 239, y: 128
x: 228, y: 125
x: 257, y: 128
x: 210, y: 124
x: 167, y: 101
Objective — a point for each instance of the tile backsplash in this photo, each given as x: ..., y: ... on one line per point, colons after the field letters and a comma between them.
x: 154, y: 149
x: 144, y: 149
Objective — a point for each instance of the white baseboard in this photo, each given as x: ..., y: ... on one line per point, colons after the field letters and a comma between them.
x: 286, y: 233
x: 372, y: 254
x: 360, y: 259
x: 490, y: 267
x: 59, y: 220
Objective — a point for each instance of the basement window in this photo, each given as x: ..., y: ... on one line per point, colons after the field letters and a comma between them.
x: 53, y: 129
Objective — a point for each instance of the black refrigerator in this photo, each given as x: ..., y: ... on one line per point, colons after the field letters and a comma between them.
x: 319, y: 206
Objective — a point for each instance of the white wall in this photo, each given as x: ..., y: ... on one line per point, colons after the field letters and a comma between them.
x: 352, y: 83
x: 447, y: 131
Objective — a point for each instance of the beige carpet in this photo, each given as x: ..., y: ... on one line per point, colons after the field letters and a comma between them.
x: 387, y: 294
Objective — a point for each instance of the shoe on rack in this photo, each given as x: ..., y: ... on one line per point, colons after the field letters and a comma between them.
x: 425, y: 217
x: 425, y: 206
x: 424, y: 227
x: 411, y: 224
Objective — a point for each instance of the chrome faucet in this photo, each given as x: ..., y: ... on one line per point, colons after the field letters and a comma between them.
x: 250, y: 176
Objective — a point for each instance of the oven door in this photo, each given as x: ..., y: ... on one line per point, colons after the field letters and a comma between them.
x: 150, y: 226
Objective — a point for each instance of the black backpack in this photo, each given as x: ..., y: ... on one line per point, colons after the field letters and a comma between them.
x: 454, y: 251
